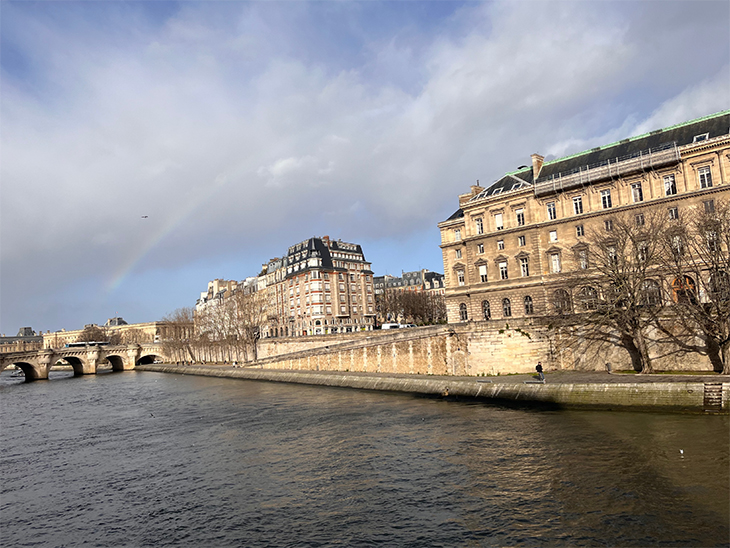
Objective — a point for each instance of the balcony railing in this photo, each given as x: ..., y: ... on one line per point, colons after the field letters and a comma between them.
x: 613, y: 168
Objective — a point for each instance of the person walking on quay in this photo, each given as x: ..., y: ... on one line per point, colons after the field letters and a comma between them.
x: 538, y: 368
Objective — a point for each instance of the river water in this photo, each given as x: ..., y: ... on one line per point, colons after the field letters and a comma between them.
x: 147, y: 459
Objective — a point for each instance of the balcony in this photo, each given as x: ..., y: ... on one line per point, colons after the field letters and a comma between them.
x: 613, y: 168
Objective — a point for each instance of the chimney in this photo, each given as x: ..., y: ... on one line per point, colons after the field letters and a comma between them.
x: 537, y: 162
x: 326, y: 241
x: 476, y: 189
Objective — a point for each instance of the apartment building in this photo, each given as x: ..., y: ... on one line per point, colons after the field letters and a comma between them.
x: 328, y: 288
x: 510, y: 247
x: 320, y: 286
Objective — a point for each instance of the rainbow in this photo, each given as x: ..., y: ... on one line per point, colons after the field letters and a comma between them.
x: 172, y: 223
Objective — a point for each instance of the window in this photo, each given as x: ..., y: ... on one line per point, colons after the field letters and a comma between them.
x: 670, y: 185
x: 520, y: 214
x: 588, y: 298
x: 480, y: 249
x: 483, y: 273
x: 525, y: 267
x: 578, y: 205
x: 608, y: 224
x: 552, y: 215
x: 579, y: 231
x: 673, y: 213
x: 479, y: 226
x: 637, y: 195
x: 460, y: 277
x: 642, y: 251
x: 342, y: 309
x: 701, y: 137
x: 612, y: 256
x: 684, y: 290
x: 521, y: 241
x: 486, y: 312
x: 712, y: 241
x: 529, y: 309
x: 498, y: 224
x: 553, y: 235
x: 555, y: 262
x: 463, y: 315
x: 651, y: 293
x: 500, y: 244
x: 457, y: 235
x: 677, y: 245
x: 583, y: 259
x: 506, y: 308
x: 606, y: 199
x: 709, y: 206
x: 561, y: 302
x: 457, y: 253
x: 639, y: 219
x: 503, y: 270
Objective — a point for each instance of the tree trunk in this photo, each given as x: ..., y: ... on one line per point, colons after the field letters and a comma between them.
x: 644, y: 351
x: 628, y: 343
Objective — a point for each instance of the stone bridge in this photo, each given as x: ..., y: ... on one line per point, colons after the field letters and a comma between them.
x: 84, y: 359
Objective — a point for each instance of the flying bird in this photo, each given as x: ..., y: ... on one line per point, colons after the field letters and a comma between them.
x: 145, y: 216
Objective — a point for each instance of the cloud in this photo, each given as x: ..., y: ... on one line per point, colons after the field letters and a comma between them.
x: 242, y: 129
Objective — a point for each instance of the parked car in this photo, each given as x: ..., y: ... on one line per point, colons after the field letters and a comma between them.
x: 390, y: 326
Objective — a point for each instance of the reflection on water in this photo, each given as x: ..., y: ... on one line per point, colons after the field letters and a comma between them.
x: 145, y: 459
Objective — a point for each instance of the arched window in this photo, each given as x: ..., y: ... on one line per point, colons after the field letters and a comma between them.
x: 506, y: 308
x: 588, y: 298
x: 463, y: 313
x: 651, y: 294
x: 684, y: 290
x: 486, y: 310
x: 529, y: 309
x: 561, y: 302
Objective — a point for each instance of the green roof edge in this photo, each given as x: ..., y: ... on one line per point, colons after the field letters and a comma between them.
x: 675, y: 126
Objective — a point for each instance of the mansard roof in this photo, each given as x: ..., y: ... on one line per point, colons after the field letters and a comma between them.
x: 714, y: 125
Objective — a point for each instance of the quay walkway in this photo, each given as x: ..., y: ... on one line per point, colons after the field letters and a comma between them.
x: 563, y: 389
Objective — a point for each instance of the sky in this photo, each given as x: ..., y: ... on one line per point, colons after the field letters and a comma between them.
x: 149, y: 147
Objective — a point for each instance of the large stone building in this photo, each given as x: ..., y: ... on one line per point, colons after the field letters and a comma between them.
x: 509, y: 248
x: 321, y: 286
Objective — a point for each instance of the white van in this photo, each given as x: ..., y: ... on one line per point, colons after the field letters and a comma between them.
x: 390, y: 326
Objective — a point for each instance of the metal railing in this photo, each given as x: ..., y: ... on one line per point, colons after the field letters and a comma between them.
x: 612, y: 168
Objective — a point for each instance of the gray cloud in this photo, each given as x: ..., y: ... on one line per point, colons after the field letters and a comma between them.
x: 219, y: 125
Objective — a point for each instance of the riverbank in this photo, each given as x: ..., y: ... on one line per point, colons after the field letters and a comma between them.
x: 570, y: 389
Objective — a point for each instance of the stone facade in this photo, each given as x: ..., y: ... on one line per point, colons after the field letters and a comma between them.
x: 149, y: 332
x: 511, y: 246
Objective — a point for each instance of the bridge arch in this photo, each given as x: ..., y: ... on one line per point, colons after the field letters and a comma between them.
x: 148, y: 358
x: 79, y: 366
x: 117, y: 362
x: 29, y: 370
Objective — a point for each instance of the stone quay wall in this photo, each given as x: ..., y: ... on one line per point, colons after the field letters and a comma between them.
x: 658, y: 396
x: 468, y: 349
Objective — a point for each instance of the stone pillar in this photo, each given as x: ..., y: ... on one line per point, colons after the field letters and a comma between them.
x: 133, y: 352
x: 92, y: 359
x: 45, y: 362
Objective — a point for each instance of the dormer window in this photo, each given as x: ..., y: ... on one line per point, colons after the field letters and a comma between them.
x: 701, y: 137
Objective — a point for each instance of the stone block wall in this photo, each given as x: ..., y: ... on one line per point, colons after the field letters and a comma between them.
x: 470, y: 349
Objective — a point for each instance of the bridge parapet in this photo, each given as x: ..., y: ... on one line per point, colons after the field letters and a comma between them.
x: 85, y: 360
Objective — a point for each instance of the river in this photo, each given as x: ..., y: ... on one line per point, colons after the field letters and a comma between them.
x: 147, y: 459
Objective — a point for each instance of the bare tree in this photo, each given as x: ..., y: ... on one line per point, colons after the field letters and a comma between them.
x: 617, y: 295
x: 697, y: 256
x: 92, y: 333
x: 178, y: 336
x: 248, y: 314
